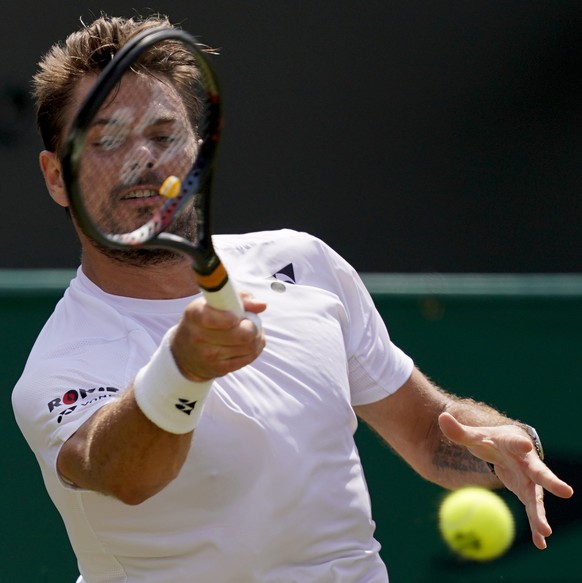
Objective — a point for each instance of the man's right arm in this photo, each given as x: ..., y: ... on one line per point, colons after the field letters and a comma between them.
x: 119, y: 451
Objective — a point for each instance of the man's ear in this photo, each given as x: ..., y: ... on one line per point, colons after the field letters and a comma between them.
x: 53, y: 177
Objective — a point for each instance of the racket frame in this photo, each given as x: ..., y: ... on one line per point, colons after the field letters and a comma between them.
x: 211, y: 274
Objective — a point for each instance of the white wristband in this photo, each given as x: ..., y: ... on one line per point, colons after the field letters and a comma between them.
x: 165, y: 396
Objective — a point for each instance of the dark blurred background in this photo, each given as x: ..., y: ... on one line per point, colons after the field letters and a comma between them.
x: 413, y: 136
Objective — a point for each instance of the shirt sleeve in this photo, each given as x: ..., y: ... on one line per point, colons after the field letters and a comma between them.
x: 56, y: 395
x: 377, y: 367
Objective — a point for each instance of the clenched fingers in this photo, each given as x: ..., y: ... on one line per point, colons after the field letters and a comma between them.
x: 209, y: 343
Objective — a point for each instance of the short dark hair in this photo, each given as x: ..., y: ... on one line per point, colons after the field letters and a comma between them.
x: 87, y: 51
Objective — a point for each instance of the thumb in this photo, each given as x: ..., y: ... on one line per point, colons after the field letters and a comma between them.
x: 252, y: 304
x: 455, y: 431
x: 451, y: 428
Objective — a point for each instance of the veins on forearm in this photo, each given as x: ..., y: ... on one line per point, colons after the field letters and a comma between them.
x: 452, y: 457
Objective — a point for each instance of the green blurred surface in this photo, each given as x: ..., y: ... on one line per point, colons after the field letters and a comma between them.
x: 513, y: 341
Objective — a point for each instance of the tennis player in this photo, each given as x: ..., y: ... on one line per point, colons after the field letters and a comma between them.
x: 256, y: 476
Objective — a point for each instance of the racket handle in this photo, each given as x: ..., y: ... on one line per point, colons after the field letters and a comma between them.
x: 225, y: 298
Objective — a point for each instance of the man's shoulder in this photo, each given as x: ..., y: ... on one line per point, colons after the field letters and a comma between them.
x: 262, y: 237
x: 275, y: 241
x: 285, y: 254
x: 80, y: 324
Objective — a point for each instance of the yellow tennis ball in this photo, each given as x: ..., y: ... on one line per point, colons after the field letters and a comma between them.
x: 476, y: 523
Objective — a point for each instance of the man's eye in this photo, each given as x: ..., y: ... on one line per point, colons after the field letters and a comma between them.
x: 165, y: 139
x: 108, y: 142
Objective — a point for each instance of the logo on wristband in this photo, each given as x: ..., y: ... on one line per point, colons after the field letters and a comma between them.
x: 186, y: 406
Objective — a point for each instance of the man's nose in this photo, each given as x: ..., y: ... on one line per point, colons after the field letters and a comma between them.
x: 139, y: 159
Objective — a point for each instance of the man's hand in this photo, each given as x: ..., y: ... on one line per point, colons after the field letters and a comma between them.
x: 210, y: 343
x: 517, y: 466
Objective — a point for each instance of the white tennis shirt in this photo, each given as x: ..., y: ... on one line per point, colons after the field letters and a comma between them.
x: 272, y: 490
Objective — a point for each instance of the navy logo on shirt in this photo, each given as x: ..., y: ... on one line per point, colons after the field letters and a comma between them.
x: 286, y: 274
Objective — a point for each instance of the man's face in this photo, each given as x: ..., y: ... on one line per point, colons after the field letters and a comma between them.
x: 138, y: 138
x: 135, y: 142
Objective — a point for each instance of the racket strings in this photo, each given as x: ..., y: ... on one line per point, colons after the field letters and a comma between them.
x: 142, y: 135
x: 140, y: 155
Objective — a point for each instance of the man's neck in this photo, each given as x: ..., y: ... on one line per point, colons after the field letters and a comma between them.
x: 160, y: 281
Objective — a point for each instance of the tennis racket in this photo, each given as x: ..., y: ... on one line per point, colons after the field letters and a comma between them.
x: 140, y: 155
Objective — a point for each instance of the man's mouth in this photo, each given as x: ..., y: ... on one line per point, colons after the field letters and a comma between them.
x: 140, y: 194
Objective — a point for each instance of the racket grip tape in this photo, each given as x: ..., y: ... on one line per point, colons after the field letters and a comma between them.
x: 221, y: 294
x: 219, y: 291
x: 225, y: 298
